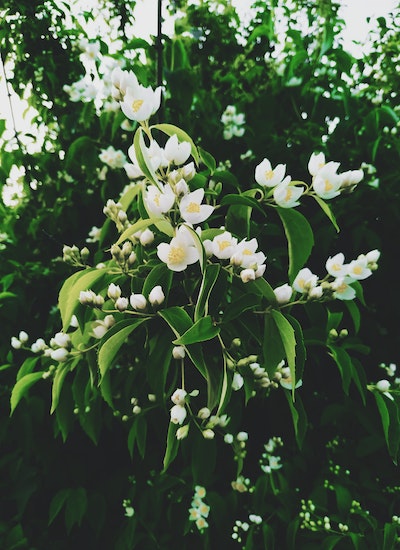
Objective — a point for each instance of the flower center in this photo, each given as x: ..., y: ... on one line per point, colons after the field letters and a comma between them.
x: 176, y: 254
x: 328, y: 185
x: 223, y: 244
x: 357, y: 269
x: 288, y: 195
x: 269, y: 174
x: 247, y: 252
x: 137, y: 103
x: 193, y: 207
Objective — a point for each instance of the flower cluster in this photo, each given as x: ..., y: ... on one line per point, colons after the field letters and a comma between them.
x: 114, y: 158
x: 199, y: 510
x: 233, y: 122
x: 269, y: 460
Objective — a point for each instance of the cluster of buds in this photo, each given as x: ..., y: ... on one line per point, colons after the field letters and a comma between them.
x: 117, y: 214
x: 242, y: 485
x: 242, y: 527
x: 124, y: 255
x: 101, y: 326
x: 59, y: 348
x: 90, y: 298
x: 238, y: 443
x: 233, y: 122
x: 269, y: 460
x: 114, y: 158
x: 199, y: 510
x: 385, y: 386
x: 18, y: 343
x: 73, y: 256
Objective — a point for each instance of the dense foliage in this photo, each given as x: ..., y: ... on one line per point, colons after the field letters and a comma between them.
x: 175, y: 369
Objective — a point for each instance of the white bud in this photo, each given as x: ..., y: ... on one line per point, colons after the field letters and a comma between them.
x: 373, y: 256
x: 204, y: 413
x: 247, y: 275
x: 178, y: 352
x: 237, y: 381
x: 208, y: 434
x: 178, y: 414
x: 138, y: 301
x: 15, y: 343
x: 109, y: 321
x: 182, y: 432
x: 228, y: 438
x: 23, y: 337
x: 61, y: 340
x: 59, y: 354
x: 121, y: 304
x: 242, y: 436
x: 383, y: 385
x: 283, y: 293
x: 136, y: 409
x: 156, y: 296
x: 147, y: 237
x: 178, y: 397
x: 114, y: 291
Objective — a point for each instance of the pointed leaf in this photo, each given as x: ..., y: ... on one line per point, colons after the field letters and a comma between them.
x: 300, y: 239
x: 172, y: 446
x: 327, y: 210
x: 204, y: 329
x: 22, y: 386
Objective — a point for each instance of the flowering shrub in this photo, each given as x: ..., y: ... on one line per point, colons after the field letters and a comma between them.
x: 183, y: 297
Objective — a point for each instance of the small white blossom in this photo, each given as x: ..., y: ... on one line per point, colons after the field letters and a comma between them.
x: 286, y: 196
x: 224, y: 245
x: 326, y: 183
x: 336, y: 267
x: 358, y: 269
x: 305, y: 280
x: 138, y: 301
x: 237, y: 381
x: 121, y: 303
x: 158, y: 202
x: 178, y: 397
x: 114, y: 291
x: 146, y: 237
x: 178, y: 352
x: 179, y: 253
x: 266, y: 176
x: 178, y: 414
x: 342, y: 288
x: 15, y: 343
x: 247, y: 275
x: 191, y: 208
x: 60, y: 355
x: 283, y: 293
x: 383, y: 385
x: 176, y: 152
x: 316, y: 162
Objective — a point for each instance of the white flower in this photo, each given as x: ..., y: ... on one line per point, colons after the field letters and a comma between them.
x: 179, y: 253
x: 259, y: 272
x: 60, y: 354
x: 326, y: 183
x: 358, y: 269
x: 287, y: 196
x: 176, y: 152
x: 204, y: 413
x: 156, y: 296
x: 224, y: 245
x: 178, y: 352
x: 305, y: 280
x: 181, y: 187
x: 316, y: 162
x: 283, y: 293
x: 342, y: 288
x: 146, y: 237
x: 237, y: 381
x: 178, y: 414
x: 158, y: 202
x: 182, y: 432
x: 178, y: 397
x: 132, y: 171
x: 247, y: 275
x: 139, y: 103
x: 268, y: 177
x: 228, y: 438
x: 191, y: 209
x: 112, y: 157
x: 138, y: 301
x: 316, y: 292
x: 245, y: 254
x: 114, y: 291
x: 335, y: 266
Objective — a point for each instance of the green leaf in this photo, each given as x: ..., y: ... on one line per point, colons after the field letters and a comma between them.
x: 22, y: 386
x: 204, y: 329
x: 75, y: 508
x: 57, y: 503
x: 343, y: 361
x: 143, y: 159
x: 354, y: 313
x: 68, y: 299
x: 389, y: 536
x: 27, y: 366
x: 273, y: 349
x: 327, y: 210
x: 300, y: 239
x: 208, y: 160
x: 61, y: 372
x: 287, y: 335
x: 263, y: 288
x: 299, y: 417
x: 170, y: 130
x: 240, y: 305
x: 144, y: 224
x: 210, y: 277
x: 389, y: 413
x: 172, y: 446
x: 242, y: 200
x: 331, y: 541
x: 159, y: 275
x: 113, y: 340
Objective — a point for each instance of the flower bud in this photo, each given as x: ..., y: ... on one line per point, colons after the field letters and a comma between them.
x: 121, y: 303
x: 237, y: 381
x: 62, y: 340
x: 204, y: 413
x: 178, y: 352
x: 127, y: 249
x: 60, y: 355
x: 178, y: 414
x: 131, y: 258
x: 147, y: 237
x: 208, y: 434
x: 138, y: 301
x: 178, y: 397
x: 156, y: 296
x: 242, y: 436
x: 23, y: 337
x: 247, y: 275
x: 182, y: 432
x: 85, y: 253
x: 15, y: 343
x: 383, y: 385
x: 283, y: 293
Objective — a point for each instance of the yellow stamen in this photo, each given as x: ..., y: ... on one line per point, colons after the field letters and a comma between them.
x: 247, y: 252
x: 357, y: 269
x: 176, y: 254
x: 269, y: 174
x: 193, y: 207
x: 328, y: 185
x: 137, y: 103
x: 288, y: 194
x: 157, y: 199
x: 223, y: 244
